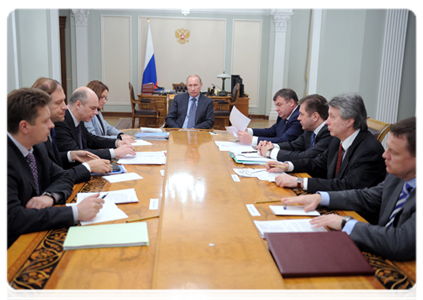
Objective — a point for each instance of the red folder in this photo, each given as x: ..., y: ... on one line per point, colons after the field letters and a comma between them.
x: 309, y: 254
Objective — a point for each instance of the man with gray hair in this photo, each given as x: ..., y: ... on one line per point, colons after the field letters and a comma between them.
x: 71, y: 134
x: 353, y: 159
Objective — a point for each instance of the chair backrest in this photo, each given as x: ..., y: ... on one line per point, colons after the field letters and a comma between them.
x: 235, y: 93
x: 147, y: 89
x: 131, y: 92
x: 179, y: 87
x: 378, y: 129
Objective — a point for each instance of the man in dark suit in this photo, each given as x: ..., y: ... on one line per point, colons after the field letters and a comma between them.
x: 192, y: 109
x: 287, y: 127
x: 86, y: 165
x: 34, y: 182
x: 314, y: 140
x: 393, y: 201
x: 353, y: 159
x: 71, y: 134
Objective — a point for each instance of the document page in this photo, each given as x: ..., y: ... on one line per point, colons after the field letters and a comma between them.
x: 292, y: 210
x: 122, y: 177
x: 145, y: 158
x: 118, y: 197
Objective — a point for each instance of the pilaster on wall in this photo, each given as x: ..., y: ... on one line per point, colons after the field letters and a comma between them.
x: 281, y: 18
x: 392, y: 65
x: 81, y: 43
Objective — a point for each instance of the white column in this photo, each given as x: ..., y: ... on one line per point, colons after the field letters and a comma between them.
x: 54, y: 43
x: 392, y: 64
x: 81, y: 41
x: 281, y: 18
x: 314, y: 50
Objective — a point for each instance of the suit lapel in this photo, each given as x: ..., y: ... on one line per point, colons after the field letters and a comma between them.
x: 349, y: 154
x: 393, y: 198
x: 71, y: 124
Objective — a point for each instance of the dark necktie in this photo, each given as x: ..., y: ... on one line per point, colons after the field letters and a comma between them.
x: 33, y: 166
x: 406, y: 189
x: 339, y: 161
x: 192, y: 111
x: 313, y: 136
x: 78, y: 130
x: 101, y: 124
x: 53, y: 141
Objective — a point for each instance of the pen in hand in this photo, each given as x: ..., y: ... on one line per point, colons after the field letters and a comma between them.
x: 104, y: 196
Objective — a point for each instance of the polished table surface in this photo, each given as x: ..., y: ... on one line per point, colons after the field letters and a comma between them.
x: 205, y: 237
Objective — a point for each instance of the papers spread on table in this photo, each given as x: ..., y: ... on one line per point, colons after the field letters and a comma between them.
x: 152, y: 135
x: 248, y: 160
x: 107, y: 235
x: 109, y: 212
x: 233, y: 147
x: 139, y: 142
x: 292, y: 210
x: 122, y: 177
x: 150, y: 129
x: 118, y: 197
x: 145, y: 158
x: 260, y: 174
x: 302, y: 225
x: 239, y: 122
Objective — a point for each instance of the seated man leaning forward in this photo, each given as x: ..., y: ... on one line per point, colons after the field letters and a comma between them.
x: 314, y: 140
x: 353, y: 159
x: 192, y: 109
x: 393, y: 201
x: 34, y: 182
x: 287, y: 127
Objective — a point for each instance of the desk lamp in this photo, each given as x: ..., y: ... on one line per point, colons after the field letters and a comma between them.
x: 223, y: 76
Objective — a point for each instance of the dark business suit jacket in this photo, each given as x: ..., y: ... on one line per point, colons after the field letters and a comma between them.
x: 67, y: 139
x: 363, y: 165
x: 79, y: 172
x: 300, y: 148
x: 204, y: 116
x: 398, y: 242
x: 21, y: 188
x: 282, y: 130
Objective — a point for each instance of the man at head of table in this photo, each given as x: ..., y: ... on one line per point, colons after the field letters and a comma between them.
x: 393, y: 201
x: 192, y: 109
x: 34, y: 183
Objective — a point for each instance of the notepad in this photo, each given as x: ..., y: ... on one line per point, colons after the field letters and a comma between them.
x: 292, y: 210
x: 108, y: 235
x: 302, y: 225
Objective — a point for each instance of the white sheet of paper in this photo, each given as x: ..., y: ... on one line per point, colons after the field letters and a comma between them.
x: 122, y: 177
x: 140, y: 142
x: 233, y: 147
x: 302, y: 225
x: 292, y: 210
x: 109, y: 212
x: 235, y: 178
x: 144, y: 158
x: 119, y: 196
x: 238, y: 119
x: 253, y: 210
x: 154, y: 204
x: 232, y: 130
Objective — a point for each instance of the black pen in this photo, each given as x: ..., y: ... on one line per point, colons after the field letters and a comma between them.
x: 104, y: 196
x: 249, y: 152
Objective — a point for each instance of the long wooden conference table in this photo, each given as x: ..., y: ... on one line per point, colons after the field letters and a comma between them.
x: 204, y: 237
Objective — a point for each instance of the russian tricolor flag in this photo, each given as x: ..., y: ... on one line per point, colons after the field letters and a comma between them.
x: 149, y: 74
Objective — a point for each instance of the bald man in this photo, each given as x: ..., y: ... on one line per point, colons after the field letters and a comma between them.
x: 71, y: 134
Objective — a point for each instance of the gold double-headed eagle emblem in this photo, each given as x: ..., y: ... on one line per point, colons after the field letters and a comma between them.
x: 182, y: 35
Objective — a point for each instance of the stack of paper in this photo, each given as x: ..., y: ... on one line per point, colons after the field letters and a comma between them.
x: 145, y: 158
x: 150, y: 129
x: 292, y: 210
x: 233, y: 147
x: 302, y: 225
x: 109, y: 235
x: 152, y: 135
x: 247, y: 159
x: 260, y: 174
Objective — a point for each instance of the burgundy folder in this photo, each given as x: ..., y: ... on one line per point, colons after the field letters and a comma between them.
x: 309, y: 254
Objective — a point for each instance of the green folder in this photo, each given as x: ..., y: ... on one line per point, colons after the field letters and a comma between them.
x: 108, y: 235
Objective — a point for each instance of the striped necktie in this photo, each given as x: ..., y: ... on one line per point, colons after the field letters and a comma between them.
x: 33, y: 166
x: 406, y: 189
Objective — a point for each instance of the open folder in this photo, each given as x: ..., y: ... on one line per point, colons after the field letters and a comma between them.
x: 308, y: 254
x: 108, y: 235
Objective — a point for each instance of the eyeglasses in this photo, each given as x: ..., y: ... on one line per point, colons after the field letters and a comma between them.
x: 104, y: 98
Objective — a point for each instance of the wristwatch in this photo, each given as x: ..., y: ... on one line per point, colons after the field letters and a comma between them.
x: 50, y: 195
x: 269, y: 152
x: 345, y: 220
x: 300, y: 182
